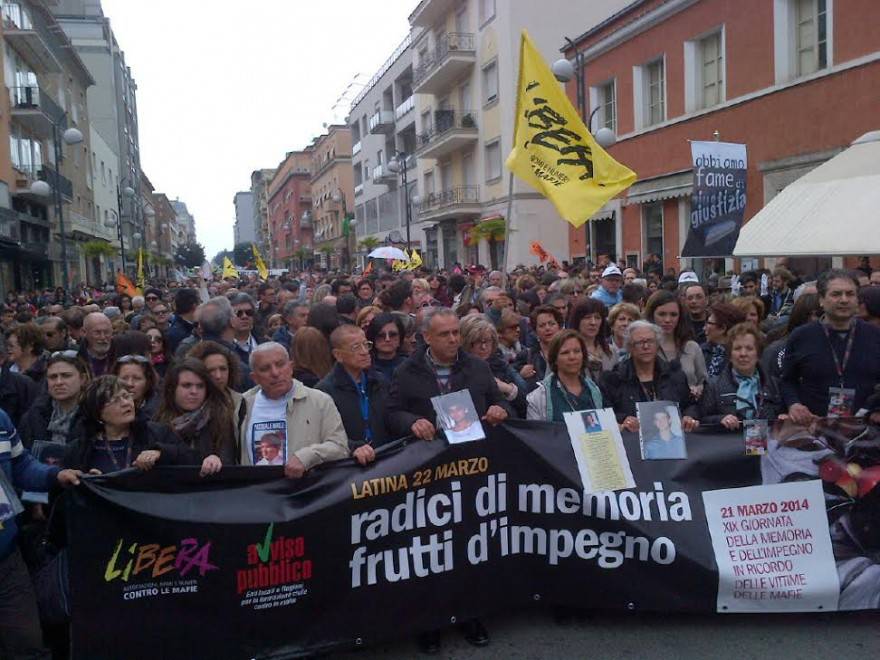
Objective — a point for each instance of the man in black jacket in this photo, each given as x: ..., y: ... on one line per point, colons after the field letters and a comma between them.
x: 838, y: 355
x: 185, y: 303
x: 17, y: 392
x: 359, y: 392
x: 440, y: 367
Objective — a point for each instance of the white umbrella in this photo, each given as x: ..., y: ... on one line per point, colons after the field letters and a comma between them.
x: 388, y: 252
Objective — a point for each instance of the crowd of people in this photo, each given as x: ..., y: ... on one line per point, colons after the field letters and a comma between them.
x: 305, y: 369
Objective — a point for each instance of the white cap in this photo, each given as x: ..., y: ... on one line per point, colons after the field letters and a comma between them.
x: 688, y: 277
x: 611, y: 271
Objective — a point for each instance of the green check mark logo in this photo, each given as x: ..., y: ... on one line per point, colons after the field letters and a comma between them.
x: 263, y: 549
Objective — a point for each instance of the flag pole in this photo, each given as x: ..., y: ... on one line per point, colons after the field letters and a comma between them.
x: 507, y: 231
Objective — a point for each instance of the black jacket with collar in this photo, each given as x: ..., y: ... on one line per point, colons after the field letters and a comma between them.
x: 415, y: 383
x: 339, y: 385
x: 621, y: 389
x: 719, y: 398
x: 17, y: 393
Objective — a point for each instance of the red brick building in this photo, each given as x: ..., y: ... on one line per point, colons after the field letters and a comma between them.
x: 290, y: 212
x: 795, y: 80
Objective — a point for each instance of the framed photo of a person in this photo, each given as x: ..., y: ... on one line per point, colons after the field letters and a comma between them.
x: 660, y: 434
x: 457, y: 416
x: 270, y: 443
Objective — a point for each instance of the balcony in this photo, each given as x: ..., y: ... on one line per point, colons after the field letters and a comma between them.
x: 454, y: 55
x: 451, y: 131
x: 31, y: 40
x: 453, y: 202
x: 10, y: 227
x: 356, y: 148
x: 57, y: 180
x: 34, y: 109
x: 305, y: 220
x: 359, y: 189
x: 407, y: 106
x: 382, y: 122
x: 383, y: 175
x: 429, y: 12
x: 305, y: 199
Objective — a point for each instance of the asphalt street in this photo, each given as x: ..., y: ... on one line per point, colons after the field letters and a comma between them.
x: 603, y: 636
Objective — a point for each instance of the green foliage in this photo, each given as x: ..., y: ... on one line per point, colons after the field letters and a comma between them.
x: 98, y: 248
x: 190, y: 255
x: 369, y: 243
x: 242, y: 253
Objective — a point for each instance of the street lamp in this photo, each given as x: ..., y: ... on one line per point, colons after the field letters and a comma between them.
x: 70, y: 136
x: 564, y: 71
x: 128, y: 193
x: 398, y: 166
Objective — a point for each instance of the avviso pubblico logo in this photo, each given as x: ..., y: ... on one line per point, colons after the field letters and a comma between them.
x: 277, y: 572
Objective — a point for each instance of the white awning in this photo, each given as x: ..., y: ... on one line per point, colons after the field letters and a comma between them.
x: 831, y: 211
x: 668, y: 186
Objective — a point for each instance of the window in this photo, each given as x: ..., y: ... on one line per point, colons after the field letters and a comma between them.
x: 487, y: 10
x: 429, y: 183
x: 608, y: 105
x: 490, y: 83
x: 653, y: 229
x: 811, y: 36
x: 655, y: 109
x: 493, y: 160
x: 712, y: 70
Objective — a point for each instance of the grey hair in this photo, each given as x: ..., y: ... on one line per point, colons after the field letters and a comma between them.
x: 641, y: 325
x: 488, y: 290
x: 112, y: 312
x: 433, y: 313
x: 290, y: 307
x: 265, y: 348
x: 138, y: 300
x: 475, y: 326
x: 242, y: 298
x: 215, y: 315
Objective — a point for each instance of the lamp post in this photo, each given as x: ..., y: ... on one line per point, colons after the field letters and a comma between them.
x: 398, y: 166
x: 128, y: 192
x: 70, y: 136
x: 339, y: 198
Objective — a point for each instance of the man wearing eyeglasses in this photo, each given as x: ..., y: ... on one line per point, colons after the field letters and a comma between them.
x: 95, y: 349
x: 243, y: 317
x: 359, y: 392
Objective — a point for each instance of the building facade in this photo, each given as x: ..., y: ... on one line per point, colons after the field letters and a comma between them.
x: 289, y: 210
x: 260, y: 191
x: 794, y: 80
x: 244, y: 230
x: 383, y: 133
x: 112, y: 100
x: 186, y: 223
x: 465, y: 67
x: 332, y: 190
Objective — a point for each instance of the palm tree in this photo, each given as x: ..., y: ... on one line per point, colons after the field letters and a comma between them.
x: 369, y: 243
x: 493, y: 231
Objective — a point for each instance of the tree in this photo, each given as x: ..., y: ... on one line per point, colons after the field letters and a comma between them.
x: 191, y: 255
x: 242, y: 254
x: 218, y: 258
x: 99, y: 248
x: 491, y: 230
x: 369, y: 243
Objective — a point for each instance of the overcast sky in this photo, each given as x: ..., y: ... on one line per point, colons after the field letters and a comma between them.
x: 227, y: 87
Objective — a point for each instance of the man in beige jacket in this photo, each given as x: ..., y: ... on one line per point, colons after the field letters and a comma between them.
x: 281, y: 406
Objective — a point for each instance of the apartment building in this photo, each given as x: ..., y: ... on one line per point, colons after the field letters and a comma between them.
x: 794, y: 80
x: 289, y: 208
x: 186, y: 223
x: 260, y: 191
x: 244, y: 229
x: 332, y: 191
x: 465, y: 67
x: 383, y: 133
x: 161, y: 231
x: 112, y: 100
x: 45, y: 83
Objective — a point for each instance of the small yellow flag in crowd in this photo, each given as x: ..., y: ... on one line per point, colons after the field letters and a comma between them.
x: 553, y: 150
x: 141, y: 280
x: 261, y: 266
x: 229, y: 269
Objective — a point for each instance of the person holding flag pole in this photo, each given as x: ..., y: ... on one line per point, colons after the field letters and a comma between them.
x: 553, y: 151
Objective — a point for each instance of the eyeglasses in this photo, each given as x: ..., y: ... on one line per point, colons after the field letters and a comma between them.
x: 151, y: 298
x: 644, y: 343
x: 360, y: 346
x: 124, y: 395
x: 241, y: 313
x: 161, y: 312
x: 70, y: 355
x: 127, y: 359
x: 485, y: 341
x: 392, y: 334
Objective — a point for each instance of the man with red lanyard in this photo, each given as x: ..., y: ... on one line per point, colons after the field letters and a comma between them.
x: 832, y: 365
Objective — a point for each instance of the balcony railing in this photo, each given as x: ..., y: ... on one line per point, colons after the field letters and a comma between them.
x: 382, y: 174
x: 445, y: 121
x: 358, y: 189
x: 10, y: 226
x: 405, y: 107
x: 450, y: 43
x: 382, y: 122
x: 356, y: 148
x: 34, y: 108
x: 30, y: 38
x: 57, y: 180
x: 450, y: 197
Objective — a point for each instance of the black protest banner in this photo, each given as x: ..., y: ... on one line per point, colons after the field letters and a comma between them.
x: 719, y: 199
x: 248, y: 564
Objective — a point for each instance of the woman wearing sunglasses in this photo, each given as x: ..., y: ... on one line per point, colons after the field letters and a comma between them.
x: 49, y: 418
x: 159, y: 355
x: 137, y: 374
x: 386, y: 331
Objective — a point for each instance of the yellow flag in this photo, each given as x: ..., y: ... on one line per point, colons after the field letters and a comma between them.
x: 229, y: 269
x: 553, y: 150
x: 261, y: 266
x: 415, y: 260
x: 141, y: 283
